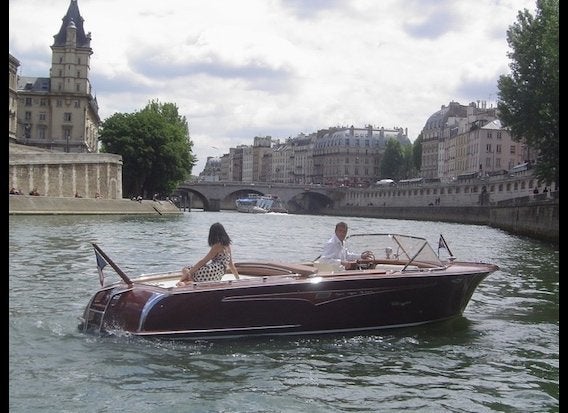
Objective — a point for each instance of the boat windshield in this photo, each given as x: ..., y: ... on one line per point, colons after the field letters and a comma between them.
x: 406, y: 248
x: 246, y: 201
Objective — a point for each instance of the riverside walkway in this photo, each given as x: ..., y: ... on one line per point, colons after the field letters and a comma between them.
x: 46, y: 205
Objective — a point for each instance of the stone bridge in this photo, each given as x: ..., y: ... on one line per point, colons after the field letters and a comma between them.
x: 308, y: 199
x: 214, y: 196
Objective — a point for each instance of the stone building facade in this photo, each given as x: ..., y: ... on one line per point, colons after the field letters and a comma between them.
x: 56, y: 174
x: 59, y: 112
x: 464, y: 139
x: 13, y: 97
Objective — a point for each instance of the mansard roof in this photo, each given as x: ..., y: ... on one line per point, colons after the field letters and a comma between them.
x: 33, y: 84
x: 494, y: 124
x: 73, y: 16
x: 343, y: 137
x: 438, y: 119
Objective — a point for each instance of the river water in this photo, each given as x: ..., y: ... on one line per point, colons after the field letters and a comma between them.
x: 501, y: 356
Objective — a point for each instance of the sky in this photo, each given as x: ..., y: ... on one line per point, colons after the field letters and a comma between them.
x: 246, y: 68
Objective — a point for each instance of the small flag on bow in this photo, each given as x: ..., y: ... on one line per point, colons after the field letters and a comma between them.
x: 443, y: 245
x: 101, y: 263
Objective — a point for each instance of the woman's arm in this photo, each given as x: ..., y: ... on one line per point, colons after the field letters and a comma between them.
x: 215, y: 249
x: 232, y: 265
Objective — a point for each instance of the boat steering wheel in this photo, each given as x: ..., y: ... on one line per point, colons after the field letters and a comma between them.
x: 368, y: 262
x: 370, y: 256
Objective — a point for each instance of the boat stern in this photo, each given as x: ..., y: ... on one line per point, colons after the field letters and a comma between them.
x: 116, y: 308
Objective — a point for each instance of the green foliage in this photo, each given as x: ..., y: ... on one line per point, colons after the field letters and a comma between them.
x: 407, y: 169
x: 155, y: 147
x: 417, y: 153
x: 529, y: 96
x: 392, y: 162
x: 402, y: 161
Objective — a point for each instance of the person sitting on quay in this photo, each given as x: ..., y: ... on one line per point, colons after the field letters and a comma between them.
x: 14, y: 191
x: 77, y: 195
x: 34, y: 192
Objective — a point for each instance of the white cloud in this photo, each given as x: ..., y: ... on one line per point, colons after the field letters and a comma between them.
x: 238, y: 69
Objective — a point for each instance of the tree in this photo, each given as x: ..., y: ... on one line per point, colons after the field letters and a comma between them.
x: 529, y: 96
x: 417, y: 152
x: 391, y: 164
x: 155, y: 147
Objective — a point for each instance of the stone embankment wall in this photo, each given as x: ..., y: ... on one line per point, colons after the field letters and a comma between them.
x: 65, y: 174
x: 43, y: 205
x: 538, y: 219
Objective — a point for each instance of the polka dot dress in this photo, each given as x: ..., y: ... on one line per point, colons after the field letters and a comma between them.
x: 214, y: 270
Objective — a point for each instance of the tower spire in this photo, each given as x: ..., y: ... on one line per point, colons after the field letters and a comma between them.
x: 73, y: 16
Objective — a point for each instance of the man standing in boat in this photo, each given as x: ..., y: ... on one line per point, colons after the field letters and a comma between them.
x: 335, y: 250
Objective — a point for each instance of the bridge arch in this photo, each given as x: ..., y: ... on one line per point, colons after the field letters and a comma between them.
x: 215, y: 196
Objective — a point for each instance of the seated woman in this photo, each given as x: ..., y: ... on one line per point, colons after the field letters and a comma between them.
x: 214, y: 265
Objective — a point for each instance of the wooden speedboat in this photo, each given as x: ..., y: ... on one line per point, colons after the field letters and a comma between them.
x: 404, y: 284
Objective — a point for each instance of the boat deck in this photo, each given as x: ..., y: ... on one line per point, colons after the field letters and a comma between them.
x: 262, y: 270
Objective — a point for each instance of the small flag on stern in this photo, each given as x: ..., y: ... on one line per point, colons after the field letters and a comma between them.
x: 101, y: 263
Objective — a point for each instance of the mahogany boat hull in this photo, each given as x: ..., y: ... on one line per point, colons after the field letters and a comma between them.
x: 285, y: 305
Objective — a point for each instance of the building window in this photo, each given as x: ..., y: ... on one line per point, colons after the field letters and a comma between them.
x: 67, y: 117
x: 41, y: 132
x: 498, y: 148
x: 512, y: 149
x: 28, y: 116
x: 42, y: 116
x: 43, y: 102
x: 28, y: 102
x: 60, y: 73
x: 59, y: 103
x: 77, y: 104
x: 78, y: 87
x: 488, y: 148
x: 78, y: 73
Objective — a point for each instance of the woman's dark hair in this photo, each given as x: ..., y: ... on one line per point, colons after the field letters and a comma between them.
x: 217, y: 234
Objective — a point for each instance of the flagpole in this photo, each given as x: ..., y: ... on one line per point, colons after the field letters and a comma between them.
x: 445, y: 246
x: 113, y: 265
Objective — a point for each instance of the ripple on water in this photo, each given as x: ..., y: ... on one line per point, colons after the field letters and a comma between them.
x: 502, y: 355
